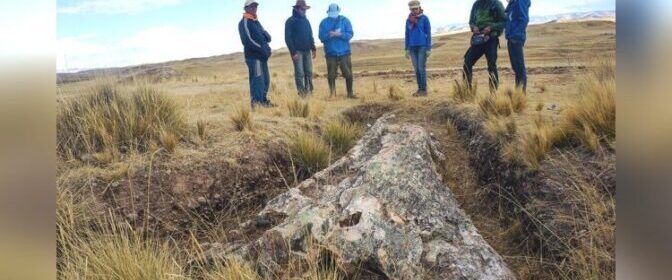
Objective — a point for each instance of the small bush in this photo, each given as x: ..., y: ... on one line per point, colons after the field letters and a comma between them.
x: 298, y: 109
x: 242, y: 120
x: 104, y: 120
x: 308, y: 152
x: 340, y: 135
x: 462, y: 92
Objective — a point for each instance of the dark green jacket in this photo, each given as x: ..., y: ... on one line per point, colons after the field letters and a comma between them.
x: 486, y: 13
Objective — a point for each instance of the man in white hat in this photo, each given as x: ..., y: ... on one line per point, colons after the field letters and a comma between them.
x: 257, y: 51
x: 336, y: 33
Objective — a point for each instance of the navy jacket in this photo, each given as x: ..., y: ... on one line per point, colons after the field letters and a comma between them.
x: 255, y: 39
x: 517, y: 14
x: 420, y: 35
x: 298, y: 33
x: 336, y: 46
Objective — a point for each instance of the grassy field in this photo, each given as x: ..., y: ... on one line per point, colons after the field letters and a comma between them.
x: 156, y: 168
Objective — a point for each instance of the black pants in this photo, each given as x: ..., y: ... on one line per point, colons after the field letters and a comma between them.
x: 489, y: 49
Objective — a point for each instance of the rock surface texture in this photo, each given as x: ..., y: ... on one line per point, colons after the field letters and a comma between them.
x: 383, y: 207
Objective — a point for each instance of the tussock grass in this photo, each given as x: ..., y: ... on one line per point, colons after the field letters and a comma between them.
x: 298, y: 109
x: 308, y: 152
x: 594, y: 115
x: 501, y: 128
x: 462, y: 92
x: 201, y: 126
x: 340, y: 135
x: 504, y: 102
x: 451, y: 130
x: 242, y: 120
x: 104, y: 120
x: 535, y: 144
x: 395, y: 93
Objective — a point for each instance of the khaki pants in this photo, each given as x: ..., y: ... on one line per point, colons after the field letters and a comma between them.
x: 343, y: 62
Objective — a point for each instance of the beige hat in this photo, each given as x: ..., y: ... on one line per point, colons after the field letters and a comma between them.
x: 413, y: 4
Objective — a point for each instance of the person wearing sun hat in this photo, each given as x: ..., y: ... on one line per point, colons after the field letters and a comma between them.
x: 255, y: 40
x: 336, y: 33
x: 301, y: 44
x: 418, y: 44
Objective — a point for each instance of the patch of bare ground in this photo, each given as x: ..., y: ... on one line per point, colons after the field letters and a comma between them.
x: 176, y: 197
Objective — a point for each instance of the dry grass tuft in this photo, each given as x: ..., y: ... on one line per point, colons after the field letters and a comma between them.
x: 105, y: 120
x: 201, y: 127
x: 298, y: 109
x: 340, y: 135
x: 462, y: 92
x: 242, y: 120
x: 501, y: 128
x: 594, y: 115
x: 535, y: 144
x: 451, y: 130
x: 540, y: 106
x: 395, y: 93
x: 503, y: 102
x: 309, y: 153
x: 168, y: 141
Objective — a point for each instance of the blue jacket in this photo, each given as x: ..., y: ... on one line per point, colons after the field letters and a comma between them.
x: 298, y: 33
x: 255, y: 39
x: 420, y: 35
x: 336, y: 46
x: 517, y: 14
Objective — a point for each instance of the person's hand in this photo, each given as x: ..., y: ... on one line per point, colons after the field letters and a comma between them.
x: 314, y: 54
x: 475, y: 30
x: 429, y: 53
x: 295, y: 57
x: 335, y: 34
x: 487, y: 30
x: 408, y: 54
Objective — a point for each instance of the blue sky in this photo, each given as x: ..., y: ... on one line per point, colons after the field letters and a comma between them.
x: 106, y: 33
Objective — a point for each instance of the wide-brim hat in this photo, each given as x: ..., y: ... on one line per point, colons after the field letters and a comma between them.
x: 301, y: 4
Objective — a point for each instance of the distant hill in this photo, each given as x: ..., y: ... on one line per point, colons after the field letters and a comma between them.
x: 567, y: 17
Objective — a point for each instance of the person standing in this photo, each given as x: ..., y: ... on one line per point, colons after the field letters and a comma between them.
x: 418, y: 44
x: 336, y: 33
x: 487, y: 22
x: 255, y: 40
x: 301, y: 45
x: 517, y: 14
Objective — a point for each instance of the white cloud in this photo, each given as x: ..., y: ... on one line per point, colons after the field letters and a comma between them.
x: 114, y: 6
x: 157, y: 44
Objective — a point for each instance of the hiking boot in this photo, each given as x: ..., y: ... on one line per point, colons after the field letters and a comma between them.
x: 268, y: 104
x: 420, y: 93
x: 352, y: 96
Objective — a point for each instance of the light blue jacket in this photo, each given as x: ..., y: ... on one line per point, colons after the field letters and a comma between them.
x: 420, y: 35
x: 336, y: 46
